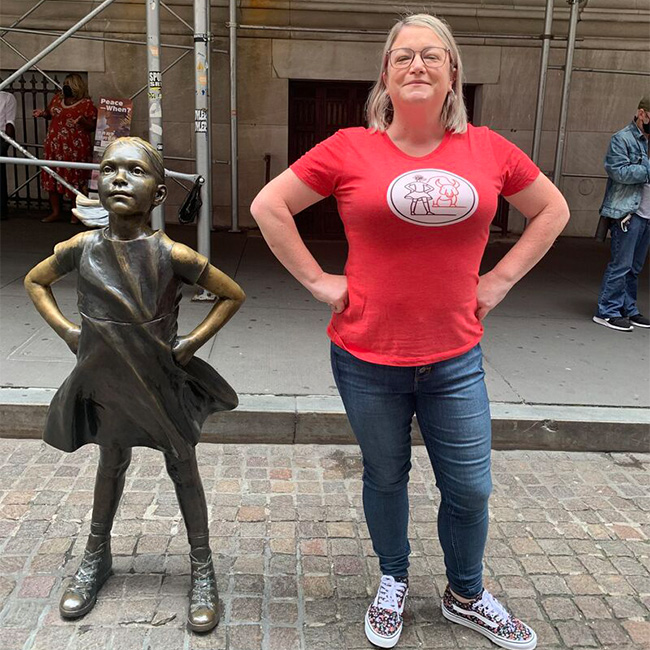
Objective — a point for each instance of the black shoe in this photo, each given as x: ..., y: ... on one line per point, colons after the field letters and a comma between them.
x: 80, y: 596
x: 639, y: 321
x: 617, y: 323
x: 204, y: 599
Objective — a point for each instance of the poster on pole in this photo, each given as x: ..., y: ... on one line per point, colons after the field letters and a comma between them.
x: 113, y: 121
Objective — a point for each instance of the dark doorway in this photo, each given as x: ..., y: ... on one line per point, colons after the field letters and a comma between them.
x: 317, y: 109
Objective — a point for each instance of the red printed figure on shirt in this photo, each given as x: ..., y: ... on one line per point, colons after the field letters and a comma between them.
x: 448, y: 191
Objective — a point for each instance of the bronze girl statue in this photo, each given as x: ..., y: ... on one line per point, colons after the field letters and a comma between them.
x: 136, y: 382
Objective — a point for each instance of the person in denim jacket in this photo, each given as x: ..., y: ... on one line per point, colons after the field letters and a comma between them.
x: 627, y: 207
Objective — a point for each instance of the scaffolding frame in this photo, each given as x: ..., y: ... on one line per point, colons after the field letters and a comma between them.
x: 202, y: 36
x: 202, y: 39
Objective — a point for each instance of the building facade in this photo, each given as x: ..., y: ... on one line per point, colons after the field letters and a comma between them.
x: 304, y: 67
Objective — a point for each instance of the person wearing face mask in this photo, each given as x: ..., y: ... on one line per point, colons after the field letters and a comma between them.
x: 73, y: 117
x: 626, y: 207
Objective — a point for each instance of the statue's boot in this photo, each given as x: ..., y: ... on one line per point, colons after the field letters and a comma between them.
x: 80, y: 596
x: 204, y: 599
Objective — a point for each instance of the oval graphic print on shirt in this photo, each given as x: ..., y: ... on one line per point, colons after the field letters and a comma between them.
x: 432, y: 197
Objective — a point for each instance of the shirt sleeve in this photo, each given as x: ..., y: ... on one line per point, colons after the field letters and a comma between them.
x: 321, y: 168
x: 11, y: 110
x: 68, y: 253
x: 518, y: 171
x: 187, y: 263
x: 624, y: 167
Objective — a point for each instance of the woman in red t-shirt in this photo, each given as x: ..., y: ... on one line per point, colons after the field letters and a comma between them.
x: 416, y: 193
x: 69, y: 137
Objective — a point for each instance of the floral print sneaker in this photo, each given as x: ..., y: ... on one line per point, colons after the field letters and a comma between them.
x: 487, y: 615
x: 384, y: 616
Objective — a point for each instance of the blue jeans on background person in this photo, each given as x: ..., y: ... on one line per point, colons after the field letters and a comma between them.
x: 452, y: 408
x: 628, y: 253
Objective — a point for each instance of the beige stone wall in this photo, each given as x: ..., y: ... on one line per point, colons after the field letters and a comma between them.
x: 612, y: 34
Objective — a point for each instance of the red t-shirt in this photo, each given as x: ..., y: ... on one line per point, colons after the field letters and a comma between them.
x: 416, y: 228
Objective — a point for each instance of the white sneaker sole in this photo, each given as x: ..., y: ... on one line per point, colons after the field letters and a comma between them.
x: 502, y: 643
x: 602, y: 321
x: 639, y: 325
x: 381, y: 641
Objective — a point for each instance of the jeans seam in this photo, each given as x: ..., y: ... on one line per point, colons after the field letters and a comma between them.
x: 454, y: 539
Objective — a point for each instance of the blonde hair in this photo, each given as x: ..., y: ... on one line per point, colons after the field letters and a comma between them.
x: 78, y: 86
x: 379, y: 108
x: 153, y: 156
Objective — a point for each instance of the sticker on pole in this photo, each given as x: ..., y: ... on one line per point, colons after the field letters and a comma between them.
x: 201, y: 120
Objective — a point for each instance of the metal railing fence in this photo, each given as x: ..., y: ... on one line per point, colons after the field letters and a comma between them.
x: 31, y: 90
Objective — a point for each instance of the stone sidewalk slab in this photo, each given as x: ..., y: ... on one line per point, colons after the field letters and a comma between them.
x: 540, y: 345
x: 568, y: 550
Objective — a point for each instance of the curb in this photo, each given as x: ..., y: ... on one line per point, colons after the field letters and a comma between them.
x: 320, y: 419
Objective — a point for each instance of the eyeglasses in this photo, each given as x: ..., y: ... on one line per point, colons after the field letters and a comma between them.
x: 432, y: 57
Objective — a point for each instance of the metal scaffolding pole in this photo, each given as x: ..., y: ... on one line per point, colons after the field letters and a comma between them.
x: 202, y: 129
x: 24, y: 58
x: 543, y: 72
x: 566, y: 87
x: 234, y: 166
x: 382, y: 32
x: 635, y: 73
x: 173, y: 13
x: 18, y: 52
x: 30, y: 158
x: 27, y: 13
x: 155, y: 94
x: 169, y: 67
x: 101, y: 39
x: 43, y: 53
x: 37, y: 162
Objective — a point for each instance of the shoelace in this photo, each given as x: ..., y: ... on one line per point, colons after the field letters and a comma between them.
x: 492, y: 607
x: 203, y: 583
x: 86, y: 574
x: 389, y: 594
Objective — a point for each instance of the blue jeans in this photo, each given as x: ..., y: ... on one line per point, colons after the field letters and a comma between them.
x: 452, y: 408
x: 628, y: 252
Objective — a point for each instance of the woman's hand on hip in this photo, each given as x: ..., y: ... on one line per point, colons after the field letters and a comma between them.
x: 491, y: 290
x: 332, y: 290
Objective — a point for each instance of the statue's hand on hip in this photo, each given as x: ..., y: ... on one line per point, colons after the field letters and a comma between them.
x: 72, y: 337
x: 183, y: 349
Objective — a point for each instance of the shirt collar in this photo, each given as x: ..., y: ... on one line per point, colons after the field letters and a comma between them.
x: 639, y: 132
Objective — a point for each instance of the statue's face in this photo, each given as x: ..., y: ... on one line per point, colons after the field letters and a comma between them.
x: 127, y: 183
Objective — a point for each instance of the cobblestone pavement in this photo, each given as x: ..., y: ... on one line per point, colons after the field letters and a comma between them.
x: 568, y: 551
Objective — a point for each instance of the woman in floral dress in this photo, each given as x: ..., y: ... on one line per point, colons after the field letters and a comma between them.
x: 69, y: 137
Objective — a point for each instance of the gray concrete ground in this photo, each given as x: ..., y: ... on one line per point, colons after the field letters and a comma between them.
x: 556, y: 380
x: 568, y: 547
x: 568, y: 550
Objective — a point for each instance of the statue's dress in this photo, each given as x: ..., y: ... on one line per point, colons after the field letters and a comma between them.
x: 126, y: 389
